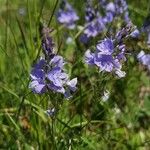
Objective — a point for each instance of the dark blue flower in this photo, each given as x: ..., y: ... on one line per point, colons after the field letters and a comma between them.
x: 90, y: 12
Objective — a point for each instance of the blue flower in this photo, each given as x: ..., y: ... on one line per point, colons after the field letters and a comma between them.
x: 90, y: 12
x: 67, y: 16
x: 94, y: 28
x: 106, y: 57
x: 144, y: 59
x: 124, y: 32
x: 121, y: 8
x: 50, y: 75
x: 37, y: 75
x: 135, y: 33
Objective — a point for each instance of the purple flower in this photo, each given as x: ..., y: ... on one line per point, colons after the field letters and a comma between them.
x: 105, y: 47
x: 124, y: 32
x: 90, y: 12
x: 106, y: 57
x: 57, y: 61
x: 135, y: 33
x: 50, y: 75
x: 94, y: 27
x: 89, y: 57
x: 37, y: 86
x: 67, y: 16
x: 58, y: 79
x: 144, y: 59
x: 38, y: 77
x: 122, y: 8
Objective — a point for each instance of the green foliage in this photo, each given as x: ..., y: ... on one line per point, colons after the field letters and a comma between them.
x: 85, y: 121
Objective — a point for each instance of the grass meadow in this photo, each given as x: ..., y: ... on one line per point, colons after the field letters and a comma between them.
x: 86, y: 121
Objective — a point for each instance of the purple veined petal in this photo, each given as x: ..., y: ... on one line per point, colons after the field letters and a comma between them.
x: 120, y: 73
x: 37, y: 87
x: 37, y: 73
x: 89, y: 57
x: 122, y: 47
x: 64, y: 76
x: 57, y: 61
x: 140, y: 55
x: 105, y: 47
x: 104, y: 62
x: 54, y: 72
x: 57, y: 76
x: 72, y: 84
x: 146, y: 59
x: 91, y: 30
x: 117, y: 64
x: 56, y: 88
x: 121, y: 56
x: 56, y: 81
x: 108, y: 67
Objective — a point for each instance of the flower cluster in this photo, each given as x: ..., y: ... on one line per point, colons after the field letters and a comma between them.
x: 115, y: 9
x: 105, y: 58
x: 67, y: 15
x: 110, y: 53
x: 49, y: 74
x: 96, y: 23
x: 121, y: 8
x: 144, y: 59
